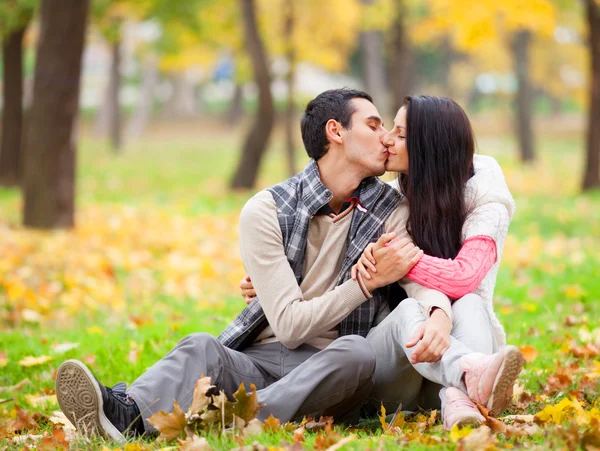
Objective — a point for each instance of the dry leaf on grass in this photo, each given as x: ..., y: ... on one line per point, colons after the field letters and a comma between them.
x: 480, y: 439
x: 271, y: 424
x: 201, y: 400
x: 34, y: 361
x: 529, y: 353
x: 170, y: 425
x: 194, y: 443
x: 15, y: 387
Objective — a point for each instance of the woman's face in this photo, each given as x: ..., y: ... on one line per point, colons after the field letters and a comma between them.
x: 395, y: 141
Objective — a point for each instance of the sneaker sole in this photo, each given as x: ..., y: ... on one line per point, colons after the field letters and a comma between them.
x: 80, y: 399
x: 507, y: 375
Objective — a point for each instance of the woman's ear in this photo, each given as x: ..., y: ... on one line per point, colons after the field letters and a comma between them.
x: 333, y: 131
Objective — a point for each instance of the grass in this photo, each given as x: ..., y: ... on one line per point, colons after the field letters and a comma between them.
x: 155, y: 257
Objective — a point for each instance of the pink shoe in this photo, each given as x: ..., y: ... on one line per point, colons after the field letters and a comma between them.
x: 460, y: 410
x: 489, y: 378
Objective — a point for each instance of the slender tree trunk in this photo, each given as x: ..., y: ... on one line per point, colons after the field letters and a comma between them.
x: 401, y: 64
x: 591, y: 177
x: 115, y: 89
x: 137, y: 124
x: 49, y: 170
x: 373, y: 68
x: 236, y: 109
x: 524, y: 97
x: 182, y: 102
x: 258, y: 137
x: 290, y: 113
x: 12, y: 114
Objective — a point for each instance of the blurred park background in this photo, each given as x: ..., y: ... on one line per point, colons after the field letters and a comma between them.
x: 133, y: 131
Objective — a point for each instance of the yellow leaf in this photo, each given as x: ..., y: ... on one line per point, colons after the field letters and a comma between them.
x: 41, y: 401
x: 3, y: 359
x: 382, y: 413
x: 33, y: 361
x: 457, y: 433
x: 555, y: 413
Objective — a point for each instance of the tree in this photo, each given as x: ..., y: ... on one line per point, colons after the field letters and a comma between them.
x: 290, y: 114
x: 400, y: 59
x: 257, y: 139
x: 474, y: 31
x: 15, y: 15
x: 591, y: 178
x: 49, y: 171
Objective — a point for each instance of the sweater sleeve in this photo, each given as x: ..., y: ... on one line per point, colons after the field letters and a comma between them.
x: 461, y: 275
x: 293, y: 318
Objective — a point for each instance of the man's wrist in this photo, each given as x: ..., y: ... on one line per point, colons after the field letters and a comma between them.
x: 367, y: 286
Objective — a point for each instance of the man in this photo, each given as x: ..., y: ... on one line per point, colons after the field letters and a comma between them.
x: 301, y: 342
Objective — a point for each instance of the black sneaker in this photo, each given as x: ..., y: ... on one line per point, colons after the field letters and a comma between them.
x: 93, y: 408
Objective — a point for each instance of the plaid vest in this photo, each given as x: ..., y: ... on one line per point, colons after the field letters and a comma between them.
x: 297, y: 200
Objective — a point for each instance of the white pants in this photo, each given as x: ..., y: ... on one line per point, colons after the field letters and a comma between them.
x: 397, y: 381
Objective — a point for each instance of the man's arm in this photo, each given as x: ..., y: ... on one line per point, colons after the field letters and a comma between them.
x: 293, y: 318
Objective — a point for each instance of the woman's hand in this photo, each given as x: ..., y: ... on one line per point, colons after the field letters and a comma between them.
x: 247, y: 289
x: 367, y: 261
x: 433, y: 337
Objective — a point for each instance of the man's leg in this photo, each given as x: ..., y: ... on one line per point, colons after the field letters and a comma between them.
x: 335, y: 382
x: 173, y: 378
x: 111, y: 412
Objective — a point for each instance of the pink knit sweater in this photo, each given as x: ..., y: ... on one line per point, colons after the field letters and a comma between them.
x: 461, y: 275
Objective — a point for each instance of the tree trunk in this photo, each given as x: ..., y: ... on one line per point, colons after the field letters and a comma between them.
x: 12, y: 115
x: 236, y: 109
x: 591, y: 178
x: 182, y: 102
x: 290, y: 113
x: 447, y: 58
x: 524, y: 96
x: 401, y: 64
x: 115, y: 89
x: 258, y: 137
x: 143, y: 111
x: 49, y: 170
x: 373, y: 68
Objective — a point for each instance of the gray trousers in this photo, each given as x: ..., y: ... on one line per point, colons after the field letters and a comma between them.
x: 292, y: 383
x: 397, y: 381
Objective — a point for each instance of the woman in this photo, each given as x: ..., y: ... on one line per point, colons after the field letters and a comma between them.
x: 458, y: 215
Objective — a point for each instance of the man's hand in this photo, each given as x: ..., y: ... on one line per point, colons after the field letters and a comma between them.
x: 247, y: 289
x: 394, y: 258
x: 433, y: 337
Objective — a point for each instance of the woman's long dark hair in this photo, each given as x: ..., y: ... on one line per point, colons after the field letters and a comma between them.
x: 440, y: 145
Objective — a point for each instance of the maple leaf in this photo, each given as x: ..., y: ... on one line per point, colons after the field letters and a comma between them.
x: 201, y: 400
x: 247, y: 406
x: 381, y: 416
x: 170, y: 425
x: 57, y: 441
x: 271, y: 424
x: 22, y: 422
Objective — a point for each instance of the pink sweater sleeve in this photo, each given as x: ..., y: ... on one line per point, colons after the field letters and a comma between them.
x: 461, y: 275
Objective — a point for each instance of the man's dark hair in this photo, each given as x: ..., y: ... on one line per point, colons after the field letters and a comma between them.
x: 333, y: 104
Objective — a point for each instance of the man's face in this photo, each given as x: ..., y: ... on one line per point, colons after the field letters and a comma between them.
x: 362, y: 141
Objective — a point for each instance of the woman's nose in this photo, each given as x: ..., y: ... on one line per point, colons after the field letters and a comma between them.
x: 386, y: 140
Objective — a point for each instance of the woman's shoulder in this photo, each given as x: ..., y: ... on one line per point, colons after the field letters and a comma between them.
x: 488, y: 185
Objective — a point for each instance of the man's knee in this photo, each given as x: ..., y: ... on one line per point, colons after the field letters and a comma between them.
x: 357, y: 353
x: 199, y: 340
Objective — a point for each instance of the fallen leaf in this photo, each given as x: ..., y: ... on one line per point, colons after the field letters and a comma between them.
x: 201, y: 400
x: 299, y: 434
x: 479, y: 439
x: 341, y: 443
x: 57, y: 441
x: 15, y: 387
x: 58, y: 417
x: 194, y: 443
x: 271, y: 424
x: 3, y: 360
x: 33, y: 361
x: 64, y: 347
x: 247, y: 406
x: 23, y: 421
x: 457, y: 433
x: 170, y: 425
x: 254, y: 427
x: 529, y: 353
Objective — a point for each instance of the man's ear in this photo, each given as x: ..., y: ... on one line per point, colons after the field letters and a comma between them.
x: 333, y: 131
